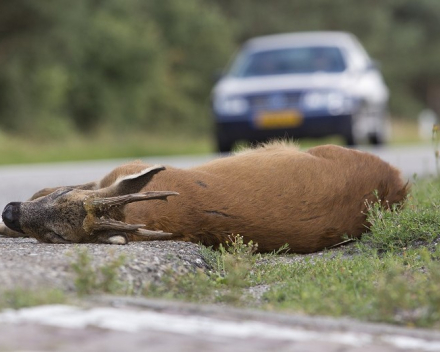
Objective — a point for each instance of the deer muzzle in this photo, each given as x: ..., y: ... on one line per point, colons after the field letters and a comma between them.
x: 11, y: 216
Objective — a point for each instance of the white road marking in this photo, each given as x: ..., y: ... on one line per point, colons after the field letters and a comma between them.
x: 133, y: 321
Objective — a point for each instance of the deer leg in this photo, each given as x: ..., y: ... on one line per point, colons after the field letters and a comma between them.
x: 117, y: 237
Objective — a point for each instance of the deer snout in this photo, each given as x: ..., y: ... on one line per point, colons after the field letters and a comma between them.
x: 11, y: 216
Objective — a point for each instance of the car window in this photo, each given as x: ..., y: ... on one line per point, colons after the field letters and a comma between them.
x: 289, y: 61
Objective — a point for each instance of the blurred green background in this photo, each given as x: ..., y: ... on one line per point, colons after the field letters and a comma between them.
x: 92, y: 78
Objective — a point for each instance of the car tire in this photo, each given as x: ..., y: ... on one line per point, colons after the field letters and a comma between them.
x: 349, y: 140
x: 348, y: 134
x: 382, y: 132
x: 375, y: 139
x: 224, y: 144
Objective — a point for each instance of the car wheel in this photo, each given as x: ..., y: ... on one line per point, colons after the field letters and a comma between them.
x: 224, y: 144
x: 348, y: 134
x: 349, y: 139
x: 382, y: 131
x: 375, y: 139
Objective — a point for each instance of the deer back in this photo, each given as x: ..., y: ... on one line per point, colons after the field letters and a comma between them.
x: 272, y: 195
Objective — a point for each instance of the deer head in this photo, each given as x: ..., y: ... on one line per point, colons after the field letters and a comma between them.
x: 75, y: 215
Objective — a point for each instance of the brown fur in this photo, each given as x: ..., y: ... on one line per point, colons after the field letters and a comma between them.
x: 271, y: 195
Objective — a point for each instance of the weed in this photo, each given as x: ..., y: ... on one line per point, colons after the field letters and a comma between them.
x: 192, y: 287
x: 231, y: 267
x: 20, y: 298
x: 408, y: 292
x: 396, y: 289
x: 90, y: 279
x: 326, y: 286
x: 416, y: 224
x: 235, y: 266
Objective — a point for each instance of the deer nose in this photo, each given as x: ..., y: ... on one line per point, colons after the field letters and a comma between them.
x: 11, y: 216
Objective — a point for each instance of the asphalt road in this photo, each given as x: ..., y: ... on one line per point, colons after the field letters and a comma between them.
x: 18, y: 183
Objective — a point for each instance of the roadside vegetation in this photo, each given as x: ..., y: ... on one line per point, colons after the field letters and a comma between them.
x: 71, y: 69
x: 103, y: 145
x: 89, y: 280
x: 21, y: 298
x: 107, y: 144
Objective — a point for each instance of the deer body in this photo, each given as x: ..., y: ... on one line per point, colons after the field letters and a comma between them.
x: 271, y: 195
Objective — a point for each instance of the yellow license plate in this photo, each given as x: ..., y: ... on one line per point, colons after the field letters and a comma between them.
x: 279, y: 119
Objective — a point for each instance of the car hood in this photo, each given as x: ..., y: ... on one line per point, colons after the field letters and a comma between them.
x: 252, y: 85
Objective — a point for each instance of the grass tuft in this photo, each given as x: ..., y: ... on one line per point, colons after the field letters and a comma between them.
x: 414, y: 225
x: 91, y: 279
x: 21, y: 298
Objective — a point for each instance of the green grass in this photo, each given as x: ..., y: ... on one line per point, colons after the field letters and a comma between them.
x: 400, y: 289
x: 101, y: 279
x: 20, y: 298
x: 103, y: 145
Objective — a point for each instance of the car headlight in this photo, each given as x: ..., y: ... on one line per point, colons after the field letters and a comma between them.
x: 333, y: 101
x: 231, y: 106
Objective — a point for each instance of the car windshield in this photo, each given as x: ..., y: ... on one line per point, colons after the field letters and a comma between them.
x: 289, y: 61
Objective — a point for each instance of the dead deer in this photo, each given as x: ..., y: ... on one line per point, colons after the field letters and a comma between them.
x: 272, y: 195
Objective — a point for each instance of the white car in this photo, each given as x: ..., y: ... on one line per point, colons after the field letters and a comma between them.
x: 310, y: 84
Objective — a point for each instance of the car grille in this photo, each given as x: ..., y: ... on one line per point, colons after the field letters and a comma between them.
x: 274, y: 101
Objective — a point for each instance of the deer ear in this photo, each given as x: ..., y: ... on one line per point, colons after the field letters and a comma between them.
x: 132, y: 183
x: 123, y: 191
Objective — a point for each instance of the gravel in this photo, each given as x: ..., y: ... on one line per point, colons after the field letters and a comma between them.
x: 27, y: 264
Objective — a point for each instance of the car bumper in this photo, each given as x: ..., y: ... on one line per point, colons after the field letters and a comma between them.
x: 312, y: 127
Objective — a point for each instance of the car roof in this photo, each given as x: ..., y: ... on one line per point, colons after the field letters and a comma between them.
x: 278, y: 41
